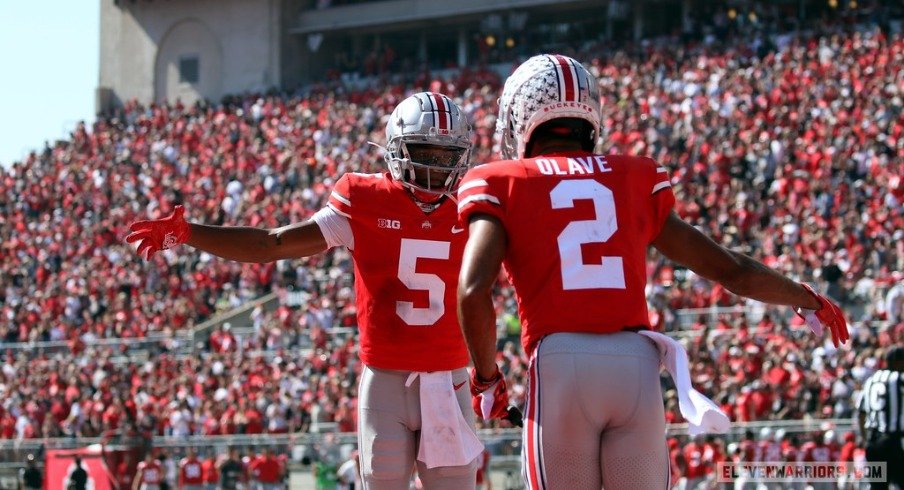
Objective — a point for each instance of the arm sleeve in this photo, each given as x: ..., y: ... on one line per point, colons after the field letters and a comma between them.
x: 479, y: 193
x: 335, y: 227
x: 663, y: 199
x: 341, y: 196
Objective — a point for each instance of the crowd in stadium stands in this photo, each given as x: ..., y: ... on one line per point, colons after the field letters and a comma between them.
x: 792, y: 152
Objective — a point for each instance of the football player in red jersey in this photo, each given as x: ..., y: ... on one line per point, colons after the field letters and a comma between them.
x: 401, y: 229
x: 191, y: 473
x: 149, y: 474
x: 572, y: 229
x: 695, y: 473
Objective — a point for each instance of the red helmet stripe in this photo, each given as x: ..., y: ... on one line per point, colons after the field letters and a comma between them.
x: 442, y: 120
x: 568, y: 78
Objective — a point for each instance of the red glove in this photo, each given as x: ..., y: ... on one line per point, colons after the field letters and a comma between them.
x: 828, y: 315
x: 489, y: 398
x: 160, y: 234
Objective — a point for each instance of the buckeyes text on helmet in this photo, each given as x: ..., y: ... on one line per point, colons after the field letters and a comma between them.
x: 428, y: 146
x: 543, y: 88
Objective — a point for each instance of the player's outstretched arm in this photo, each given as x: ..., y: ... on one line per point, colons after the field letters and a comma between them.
x: 239, y: 243
x: 481, y: 262
x: 245, y: 244
x: 742, y: 275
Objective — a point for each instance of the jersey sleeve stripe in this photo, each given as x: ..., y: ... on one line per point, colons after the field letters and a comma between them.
x: 341, y: 198
x: 334, y: 208
x: 475, y: 198
x: 472, y: 184
x: 662, y: 170
x: 660, y: 186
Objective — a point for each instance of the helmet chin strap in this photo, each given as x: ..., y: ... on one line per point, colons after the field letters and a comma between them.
x: 427, y: 201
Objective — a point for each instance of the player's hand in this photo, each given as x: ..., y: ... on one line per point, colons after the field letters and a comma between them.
x: 489, y: 398
x: 828, y: 315
x: 159, y: 234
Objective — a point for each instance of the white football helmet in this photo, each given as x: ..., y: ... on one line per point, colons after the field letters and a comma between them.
x: 545, y: 87
x: 428, y: 145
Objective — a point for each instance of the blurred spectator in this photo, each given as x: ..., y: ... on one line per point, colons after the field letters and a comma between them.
x: 78, y: 478
x: 31, y: 477
x: 266, y: 471
x: 191, y: 473
x: 232, y: 472
x: 349, y: 474
x: 150, y: 475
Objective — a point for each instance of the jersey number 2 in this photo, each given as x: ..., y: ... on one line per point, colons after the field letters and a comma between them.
x: 418, y: 281
x: 610, y: 274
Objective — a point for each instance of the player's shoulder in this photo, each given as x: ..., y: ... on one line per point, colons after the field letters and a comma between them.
x: 495, y: 171
x: 355, y: 187
x: 359, y: 180
x: 633, y: 162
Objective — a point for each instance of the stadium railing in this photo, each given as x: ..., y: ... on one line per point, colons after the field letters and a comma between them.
x: 238, y: 317
x: 502, y: 442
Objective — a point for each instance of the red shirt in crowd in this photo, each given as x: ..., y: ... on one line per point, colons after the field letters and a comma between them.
x: 748, y: 450
x: 209, y: 471
x: 150, y: 473
x: 265, y: 469
x: 693, y: 457
x: 768, y: 452
x: 191, y: 472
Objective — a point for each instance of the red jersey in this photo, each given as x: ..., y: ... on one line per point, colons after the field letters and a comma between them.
x: 151, y: 473
x: 847, y: 452
x: 483, y: 469
x: 190, y: 472
x: 265, y: 470
x: 582, y: 224
x: 814, y: 452
x: 790, y: 453
x: 768, y: 452
x: 209, y: 471
x: 694, y: 461
x: 406, y: 275
x: 712, y: 456
x: 676, y: 464
x: 748, y: 450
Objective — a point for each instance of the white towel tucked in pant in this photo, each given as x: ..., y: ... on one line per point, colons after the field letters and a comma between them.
x: 701, y: 413
x: 447, y: 439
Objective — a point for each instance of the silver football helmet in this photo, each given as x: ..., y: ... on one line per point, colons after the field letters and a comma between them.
x: 545, y: 87
x: 428, y: 145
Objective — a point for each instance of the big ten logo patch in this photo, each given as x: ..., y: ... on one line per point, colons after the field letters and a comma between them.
x: 392, y: 224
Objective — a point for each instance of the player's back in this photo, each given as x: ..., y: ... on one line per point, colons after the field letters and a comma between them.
x: 582, y: 224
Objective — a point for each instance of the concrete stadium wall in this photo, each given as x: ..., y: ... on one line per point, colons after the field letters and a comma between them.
x: 236, y: 42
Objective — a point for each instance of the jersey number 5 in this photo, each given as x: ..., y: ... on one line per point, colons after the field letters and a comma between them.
x: 418, y: 281
x: 610, y: 274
